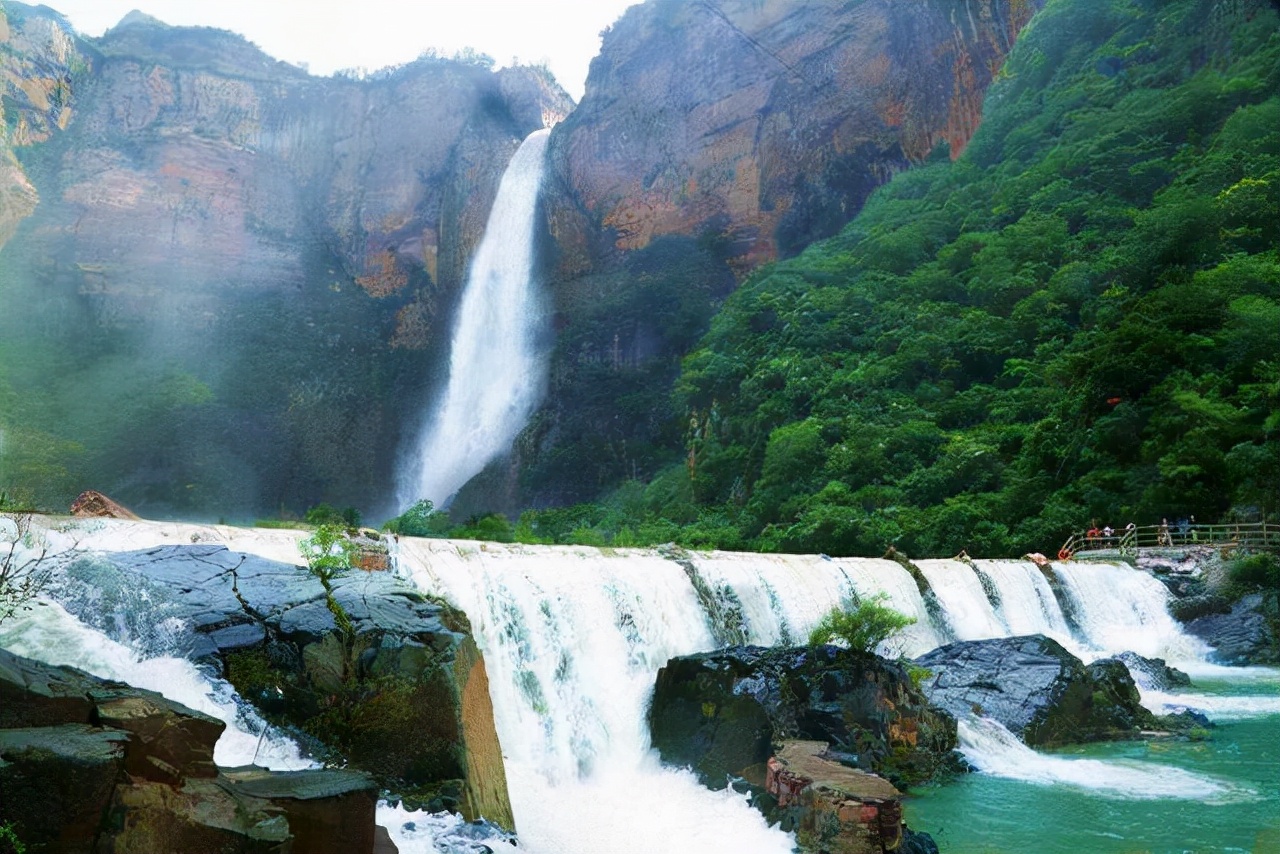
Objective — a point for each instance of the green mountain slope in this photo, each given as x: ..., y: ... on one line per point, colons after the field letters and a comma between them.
x: 1078, y: 318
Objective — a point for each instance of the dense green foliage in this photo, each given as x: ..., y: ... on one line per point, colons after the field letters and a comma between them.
x: 1076, y: 319
x: 862, y: 624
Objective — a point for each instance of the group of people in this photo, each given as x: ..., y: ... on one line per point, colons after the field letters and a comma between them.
x: 1184, y: 528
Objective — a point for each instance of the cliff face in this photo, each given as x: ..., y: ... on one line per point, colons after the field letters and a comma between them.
x: 283, y: 248
x: 765, y: 122
x: 714, y: 136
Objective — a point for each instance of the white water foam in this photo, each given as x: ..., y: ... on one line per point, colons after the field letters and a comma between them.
x: 1027, y: 603
x: 992, y: 749
x: 960, y: 592
x: 496, y: 364
x: 573, y: 639
x: 1120, y: 608
x: 48, y: 633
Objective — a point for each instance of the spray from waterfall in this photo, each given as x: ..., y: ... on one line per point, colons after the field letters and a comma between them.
x: 496, y: 364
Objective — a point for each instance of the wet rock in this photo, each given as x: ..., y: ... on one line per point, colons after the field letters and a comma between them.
x: 140, y: 778
x: 1249, y: 633
x: 56, y: 782
x: 1036, y: 689
x: 403, y: 695
x: 719, y: 713
x: 833, y: 808
x: 1154, y: 673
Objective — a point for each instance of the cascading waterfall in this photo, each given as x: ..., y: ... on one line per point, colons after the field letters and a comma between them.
x: 573, y: 638
x: 496, y: 363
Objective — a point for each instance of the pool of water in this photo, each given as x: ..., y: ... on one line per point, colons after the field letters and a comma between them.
x: 1139, y: 797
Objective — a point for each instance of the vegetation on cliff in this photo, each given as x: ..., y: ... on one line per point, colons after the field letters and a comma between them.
x: 1075, y: 319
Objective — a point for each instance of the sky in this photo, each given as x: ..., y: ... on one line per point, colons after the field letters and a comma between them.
x: 328, y: 35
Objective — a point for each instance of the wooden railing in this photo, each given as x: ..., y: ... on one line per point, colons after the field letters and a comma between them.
x: 1257, y: 536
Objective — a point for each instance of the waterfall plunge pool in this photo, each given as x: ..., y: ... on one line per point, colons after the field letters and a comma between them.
x: 1129, y: 797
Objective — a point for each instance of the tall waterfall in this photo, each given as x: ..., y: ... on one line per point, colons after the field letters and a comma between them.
x: 496, y: 374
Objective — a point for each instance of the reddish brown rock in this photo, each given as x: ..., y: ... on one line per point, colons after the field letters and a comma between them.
x: 833, y: 808
x: 767, y: 123
x: 93, y: 504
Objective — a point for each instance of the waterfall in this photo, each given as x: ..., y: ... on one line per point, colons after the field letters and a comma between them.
x: 573, y: 639
x: 496, y: 364
x: 960, y: 592
x: 1119, y: 608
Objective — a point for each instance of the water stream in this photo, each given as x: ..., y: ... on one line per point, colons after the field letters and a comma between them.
x: 496, y: 361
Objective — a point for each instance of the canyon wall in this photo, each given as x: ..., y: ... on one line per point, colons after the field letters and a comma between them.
x: 281, y: 251
x: 715, y: 136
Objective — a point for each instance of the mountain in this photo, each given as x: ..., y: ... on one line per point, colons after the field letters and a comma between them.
x: 1076, y: 319
x: 233, y: 289
x: 715, y: 136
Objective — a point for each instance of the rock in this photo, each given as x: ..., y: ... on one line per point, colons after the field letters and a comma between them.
x: 833, y: 808
x: 1248, y: 634
x: 1036, y: 689
x: 329, y: 811
x: 169, y: 742
x: 404, y: 697
x: 92, y: 504
x: 140, y: 779
x: 56, y: 783
x: 720, y: 712
x: 1153, y: 673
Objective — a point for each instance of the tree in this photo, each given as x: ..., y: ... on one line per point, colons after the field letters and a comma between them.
x: 328, y: 553
x: 23, y: 569
x: 862, y: 624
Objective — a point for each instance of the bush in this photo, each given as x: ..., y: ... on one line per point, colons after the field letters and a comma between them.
x: 863, y: 624
x: 328, y: 553
x: 1255, y: 571
x: 325, y: 514
x: 420, y: 520
x: 23, y: 571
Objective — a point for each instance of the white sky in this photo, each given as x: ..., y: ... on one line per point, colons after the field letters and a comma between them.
x: 333, y: 34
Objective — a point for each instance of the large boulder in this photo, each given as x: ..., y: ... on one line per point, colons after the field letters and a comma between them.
x: 125, y: 771
x: 403, y: 693
x: 1037, y: 689
x: 1249, y: 633
x: 1154, y: 674
x: 831, y: 807
x: 720, y: 713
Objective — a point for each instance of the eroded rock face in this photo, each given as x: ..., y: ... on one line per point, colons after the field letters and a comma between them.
x: 714, y: 137
x: 403, y: 695
x: 764, y: 123
x: 1248, y: 634
x: 125, y: 771
x: 1036, y: 689
x: 288, y: 247
x: 720, y: 713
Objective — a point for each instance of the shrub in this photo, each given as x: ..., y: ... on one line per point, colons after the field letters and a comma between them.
x: 328, y: 553
x: 23, y: 571
x: 1255, y: 571
x: 420, y: 520
x: 325, y: 514
x: 862, y: 624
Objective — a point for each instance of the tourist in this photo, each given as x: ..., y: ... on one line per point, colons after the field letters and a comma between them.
x: 1108, y: 532
x: 1162, y: 535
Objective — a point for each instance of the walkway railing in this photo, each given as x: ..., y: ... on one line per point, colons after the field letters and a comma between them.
x: 1257, y: 536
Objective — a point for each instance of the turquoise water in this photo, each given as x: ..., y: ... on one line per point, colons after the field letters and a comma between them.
x: 1142, y: 797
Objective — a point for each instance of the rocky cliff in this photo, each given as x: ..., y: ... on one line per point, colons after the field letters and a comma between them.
x: 715, y: 136
x: 283, y: 248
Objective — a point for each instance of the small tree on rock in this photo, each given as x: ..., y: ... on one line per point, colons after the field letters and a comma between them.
x: 862, y: 624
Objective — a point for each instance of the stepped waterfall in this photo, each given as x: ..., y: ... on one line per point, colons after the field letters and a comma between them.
x: 496, y: 364
x: 573, y: 638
